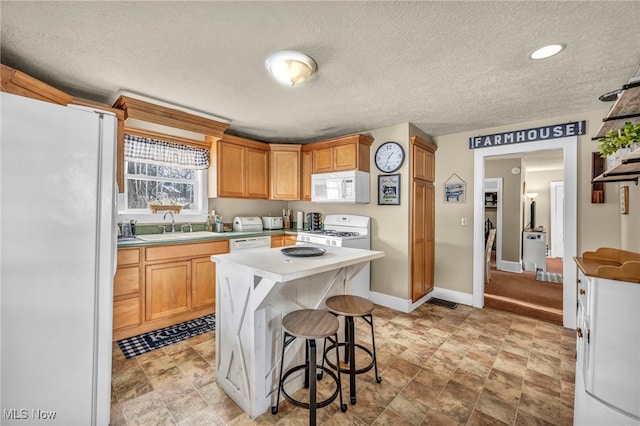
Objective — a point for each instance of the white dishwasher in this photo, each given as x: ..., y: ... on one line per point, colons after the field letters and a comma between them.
x: 249, y: 243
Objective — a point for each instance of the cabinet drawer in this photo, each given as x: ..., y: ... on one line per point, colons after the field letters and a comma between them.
x: 126, y: 313
x: 126, y: 281
x: 128, y: 256
x: 186, y: 250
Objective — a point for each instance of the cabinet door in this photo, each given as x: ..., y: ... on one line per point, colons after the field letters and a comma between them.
x: 126, y: 281
x: 422, y: 239
x: 423, y: 164
x: 285, y: 175
x: 290, y: 240
x: 231, y: 170
x: 168, y: 290
x: 305, y: 175
x: 257, y: 172
x: 322, y: 160
x: 613, y: 371
x: 345, y: 157
x: 203, y: 283
x: 126, y: 313
x: 277, y: 241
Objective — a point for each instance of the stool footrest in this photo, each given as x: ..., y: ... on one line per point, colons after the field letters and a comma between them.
x: 305, y: 405
x: 346, y: 369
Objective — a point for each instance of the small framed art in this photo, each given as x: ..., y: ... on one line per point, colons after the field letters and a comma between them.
x: 389, y: 189
x: 624, y: 200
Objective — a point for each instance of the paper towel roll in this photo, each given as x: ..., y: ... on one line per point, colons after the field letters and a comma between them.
x: 299, y: 220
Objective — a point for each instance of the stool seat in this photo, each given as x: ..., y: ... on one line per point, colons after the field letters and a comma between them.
x: 349, y: 305
x: 310, y: 324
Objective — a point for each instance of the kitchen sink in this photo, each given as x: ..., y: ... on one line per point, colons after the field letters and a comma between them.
x: 170, y: 236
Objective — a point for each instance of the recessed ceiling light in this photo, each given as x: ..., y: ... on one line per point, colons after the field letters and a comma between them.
x: 290, y: 67
x: 548, y: 51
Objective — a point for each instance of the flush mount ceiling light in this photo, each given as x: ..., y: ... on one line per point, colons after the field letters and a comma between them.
x: 290, y: 67
x: 548, y: 51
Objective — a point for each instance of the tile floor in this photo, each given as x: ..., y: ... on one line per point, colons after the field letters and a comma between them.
x: 438, y: 366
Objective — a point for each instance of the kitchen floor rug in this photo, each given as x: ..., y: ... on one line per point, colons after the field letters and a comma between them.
x: 440, y: 302
x: 550, y: 277
x: 142, y: 343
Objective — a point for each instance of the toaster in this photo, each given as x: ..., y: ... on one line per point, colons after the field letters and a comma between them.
x: 272, y: 222
x: 247, y: 224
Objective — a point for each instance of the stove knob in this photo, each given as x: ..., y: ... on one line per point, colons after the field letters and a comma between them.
x: 333, y: 243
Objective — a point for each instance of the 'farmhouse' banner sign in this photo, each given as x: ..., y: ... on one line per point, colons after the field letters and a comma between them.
x: 529, y: 135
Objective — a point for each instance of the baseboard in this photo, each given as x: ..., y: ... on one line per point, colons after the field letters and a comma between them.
x: 406, y: 306
x: 509, y: 266
x: 453, y: 296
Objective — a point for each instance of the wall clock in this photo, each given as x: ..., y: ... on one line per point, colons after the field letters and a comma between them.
x: 389, y: 157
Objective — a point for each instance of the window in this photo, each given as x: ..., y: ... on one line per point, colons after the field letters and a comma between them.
x: 164, y: 173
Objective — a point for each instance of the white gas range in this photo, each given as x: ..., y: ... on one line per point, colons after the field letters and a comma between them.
x: 344, y: 230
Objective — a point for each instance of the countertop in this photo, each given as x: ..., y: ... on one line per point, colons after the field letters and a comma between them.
x: 610, y: 263
x: 274, y: 265
x: 213, y: 237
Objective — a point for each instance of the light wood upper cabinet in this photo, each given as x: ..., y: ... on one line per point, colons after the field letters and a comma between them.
x: 305, y: 174
x: 284, y: 166
x: 239, y: 168
x: 344, y: 153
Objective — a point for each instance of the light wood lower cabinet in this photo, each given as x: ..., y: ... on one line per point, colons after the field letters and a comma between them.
x: 167, y: 289
x: 203, y: 273
x: 283, y: 240
x: 158, y: 286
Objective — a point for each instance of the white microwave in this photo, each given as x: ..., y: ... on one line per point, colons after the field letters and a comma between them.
x: 340, y: 187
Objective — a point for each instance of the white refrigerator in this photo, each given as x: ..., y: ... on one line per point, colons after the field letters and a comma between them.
x: 57, y: 255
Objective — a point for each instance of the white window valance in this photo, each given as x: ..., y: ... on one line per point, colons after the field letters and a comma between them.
x: 164, y: 153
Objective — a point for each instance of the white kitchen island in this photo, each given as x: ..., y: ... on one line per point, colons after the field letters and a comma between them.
x: 254, y: 290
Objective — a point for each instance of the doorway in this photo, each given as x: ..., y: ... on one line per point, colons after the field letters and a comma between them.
x: 570, y: 153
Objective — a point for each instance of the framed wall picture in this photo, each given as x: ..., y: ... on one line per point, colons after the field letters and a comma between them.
x: 455, y: 189
x: 624, y: 200
x: 389, y: 189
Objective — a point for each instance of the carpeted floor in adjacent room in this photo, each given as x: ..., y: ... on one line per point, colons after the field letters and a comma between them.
x: 523, y: 294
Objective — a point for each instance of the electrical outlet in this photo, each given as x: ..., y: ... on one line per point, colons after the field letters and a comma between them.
x: 463, y: 221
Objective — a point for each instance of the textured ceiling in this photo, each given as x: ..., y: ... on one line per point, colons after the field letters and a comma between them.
x: 445, y: 67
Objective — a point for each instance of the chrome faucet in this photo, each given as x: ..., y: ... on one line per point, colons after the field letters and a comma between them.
x: 173, y: 221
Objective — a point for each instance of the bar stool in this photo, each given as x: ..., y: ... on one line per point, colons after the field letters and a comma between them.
x: 309, y: 324
x: 351, y: 306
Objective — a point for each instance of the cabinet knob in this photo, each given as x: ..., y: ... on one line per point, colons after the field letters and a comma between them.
x: 579, y: 331
x: 582, y: 291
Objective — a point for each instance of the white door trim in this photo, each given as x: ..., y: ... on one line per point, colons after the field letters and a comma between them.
x: 557, y: 220
x: 569, y: 146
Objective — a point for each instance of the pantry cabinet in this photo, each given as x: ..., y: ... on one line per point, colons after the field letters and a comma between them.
x: 162, y: 285
x: 239, y: 168
x: 422, y: 235
x: 607, y: 345
x: 284, y: 171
